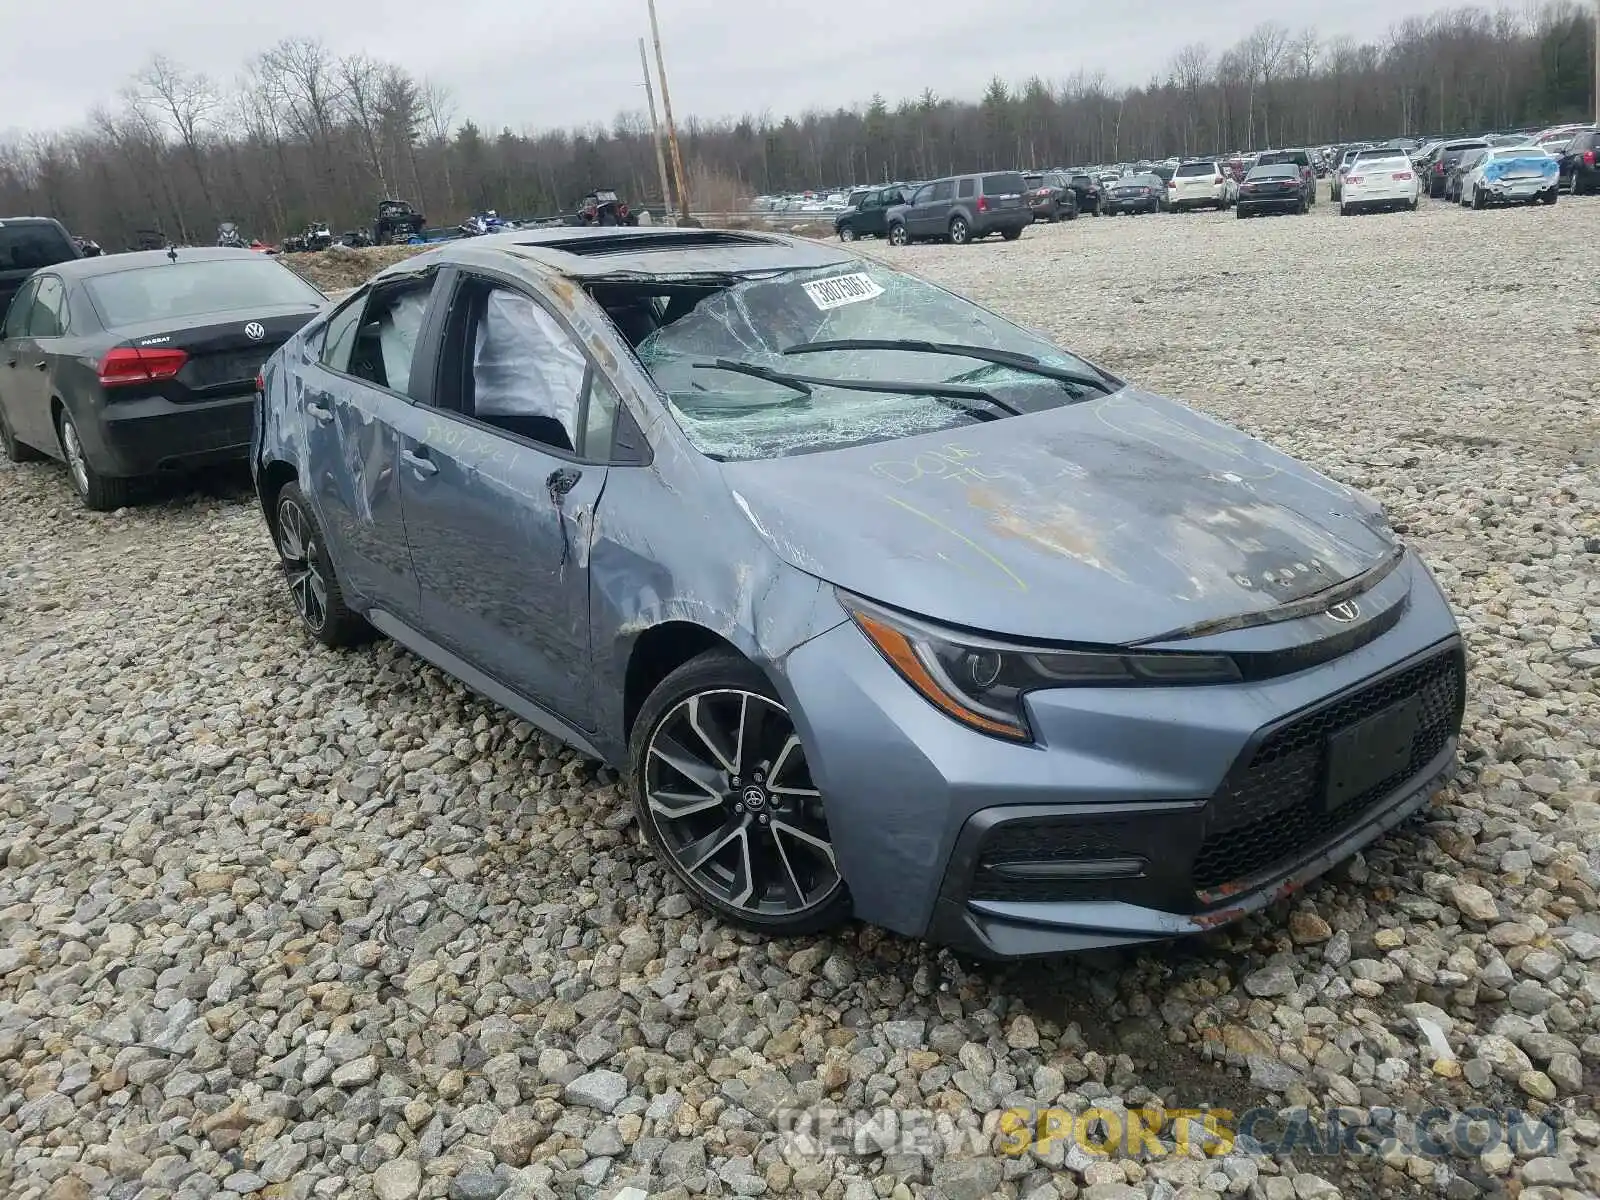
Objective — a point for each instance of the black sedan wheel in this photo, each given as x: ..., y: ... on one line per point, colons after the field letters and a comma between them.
x: 847, y: 234
x: 313, y: 588
x: 101, y: 493
x: 723, y: 793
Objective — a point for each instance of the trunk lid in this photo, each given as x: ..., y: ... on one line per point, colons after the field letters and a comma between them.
x: 224, y: 352
x: 1110, y: 521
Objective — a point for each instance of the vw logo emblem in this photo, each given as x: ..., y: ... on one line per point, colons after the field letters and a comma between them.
x: 1344, y: 612
x: 255, y: 331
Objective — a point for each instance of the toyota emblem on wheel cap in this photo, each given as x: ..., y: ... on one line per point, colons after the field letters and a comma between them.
x: 1344, y: 612
x: 255, y: 331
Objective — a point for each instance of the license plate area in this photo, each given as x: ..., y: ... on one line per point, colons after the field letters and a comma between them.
x: 1363, y: 755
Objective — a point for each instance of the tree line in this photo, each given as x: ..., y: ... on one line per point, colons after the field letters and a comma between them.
x: 304, y: 134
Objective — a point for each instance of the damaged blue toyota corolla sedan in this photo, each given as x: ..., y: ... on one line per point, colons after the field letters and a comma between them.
x: 883, y: 605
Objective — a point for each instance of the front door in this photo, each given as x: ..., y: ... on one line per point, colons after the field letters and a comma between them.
x: 23, y: 381
x: 356, y: 402
x: 500, y: 482
x: 928, y: 216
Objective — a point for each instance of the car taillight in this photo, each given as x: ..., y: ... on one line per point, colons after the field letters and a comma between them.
x: 983, y: 204
x: 1401, y: 175
x: 1172, y: 183
x: 1588, y: 158
x: 129, y: 364
x: 1438, y: 168
x: 261, y: 381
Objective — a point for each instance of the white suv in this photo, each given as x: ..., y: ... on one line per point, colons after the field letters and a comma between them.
x: 1197, y: 185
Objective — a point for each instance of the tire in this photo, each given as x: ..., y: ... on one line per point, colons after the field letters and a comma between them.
x: 1240, y: 213
x: 17, y: 452
x: 1011, y: 235
x: 1303, y: 209
x: 959, y: 232
x: 847, y: 234
x: 698, y: 715
x: 313, y: 587
x: 1478, y: 202
x: 897, y: 234
x: 99, y: 493
x: 1552, y: 195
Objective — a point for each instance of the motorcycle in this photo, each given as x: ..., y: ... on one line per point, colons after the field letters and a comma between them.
x: 87, y: 247
x: 473, y: 227
x: 228, y: 235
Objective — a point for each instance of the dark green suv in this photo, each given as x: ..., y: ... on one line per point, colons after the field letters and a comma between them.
x: 868, y: 217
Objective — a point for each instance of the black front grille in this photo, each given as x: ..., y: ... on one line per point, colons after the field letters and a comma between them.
x: 1270, y: 811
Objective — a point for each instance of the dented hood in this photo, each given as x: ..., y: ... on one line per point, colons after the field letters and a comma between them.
x: 1111, y: 521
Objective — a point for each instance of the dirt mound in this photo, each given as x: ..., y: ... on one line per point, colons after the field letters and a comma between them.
x: 341, y: 267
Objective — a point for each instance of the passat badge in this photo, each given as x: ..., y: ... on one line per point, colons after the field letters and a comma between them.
x: 255, y: 331
x: 1344, y: 612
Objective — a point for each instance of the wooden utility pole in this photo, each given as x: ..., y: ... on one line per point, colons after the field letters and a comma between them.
x: 655, y: 130
x: 666, y: 111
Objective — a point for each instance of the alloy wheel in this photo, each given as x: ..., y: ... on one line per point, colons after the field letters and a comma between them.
x: 73, y: 449
x: 847, y: 234
x: 958, y: 231
x: 728, y: 789
x: 897, y: 235
x: 297, y: 546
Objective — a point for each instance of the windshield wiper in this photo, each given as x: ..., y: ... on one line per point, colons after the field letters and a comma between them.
x: 1006, y: 358
x: 804, y: 384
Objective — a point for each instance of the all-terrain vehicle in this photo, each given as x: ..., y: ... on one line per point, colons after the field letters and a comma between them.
x: 356, y: 238
x: 228, y: 235
x: 397, y: 223
x: 602, y: 207
x: 149, y: 239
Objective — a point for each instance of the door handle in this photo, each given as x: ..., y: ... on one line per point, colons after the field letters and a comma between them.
x: 40, y: 365
x: 419, y: 461
x: 11, y: 362
x: 320, y: 412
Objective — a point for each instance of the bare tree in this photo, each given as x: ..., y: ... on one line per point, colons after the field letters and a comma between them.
x: 186, y: 101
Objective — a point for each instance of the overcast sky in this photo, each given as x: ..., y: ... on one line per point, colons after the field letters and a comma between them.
x: 541, y: 63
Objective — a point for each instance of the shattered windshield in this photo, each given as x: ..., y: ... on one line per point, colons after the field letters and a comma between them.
x: 734, y: 416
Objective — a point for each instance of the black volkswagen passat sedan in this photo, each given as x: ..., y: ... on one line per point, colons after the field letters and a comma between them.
x: 132, y: 365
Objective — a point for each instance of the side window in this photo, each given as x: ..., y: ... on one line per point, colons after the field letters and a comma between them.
x: 339, y: 335
x: 967, y: 189
x: 386, y: 338
x: 49, y: 316
x: 942, y: 190
x: 21, y: 309
x: 923, y: 194
x: 527, y: 375
x: 600, y: 417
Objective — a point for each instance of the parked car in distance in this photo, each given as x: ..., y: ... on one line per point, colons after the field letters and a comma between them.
x: 1050, y: 196
x: 961, y: 209
x: 1087, y: 191
x: 868, y: 215
x: 1299, y: 159
x: 1437, y: 166
x: 1456, y: 170
x: 782, y: 535
x: 1276, y: 187
x: 1379, y: 179
x: 1509, y: 175
x: 1341, y: 168
x: 133, y: 365
x: 1135, y: 194
x: 1579, y: 163
x: 28, y: 243
x: 1197, y: 185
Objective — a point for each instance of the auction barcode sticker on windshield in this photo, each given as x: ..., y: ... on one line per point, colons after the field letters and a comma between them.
x: 838, y: 290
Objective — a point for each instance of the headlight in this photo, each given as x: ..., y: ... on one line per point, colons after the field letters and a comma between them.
x: 981, y: 682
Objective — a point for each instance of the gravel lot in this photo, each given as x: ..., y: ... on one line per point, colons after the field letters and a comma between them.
x: 278, y: 921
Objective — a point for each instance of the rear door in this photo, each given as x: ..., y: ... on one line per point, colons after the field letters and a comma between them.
x: 374, y: 360
x: 1004, y: 193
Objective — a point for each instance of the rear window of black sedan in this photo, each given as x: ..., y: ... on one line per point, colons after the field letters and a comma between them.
x: 173, y: 291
